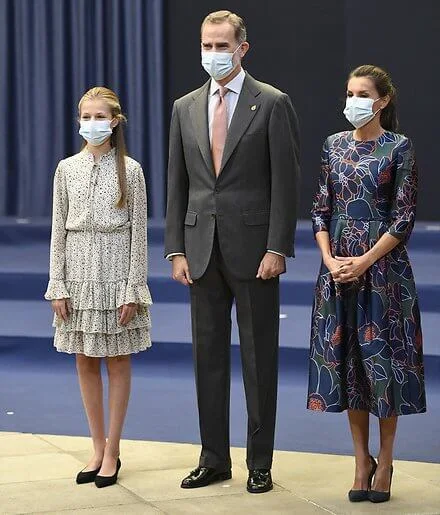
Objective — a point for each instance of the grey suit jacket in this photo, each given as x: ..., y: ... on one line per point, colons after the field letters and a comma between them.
x: 253, y: 202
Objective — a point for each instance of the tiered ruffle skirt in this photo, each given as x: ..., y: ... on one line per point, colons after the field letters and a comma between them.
x: 98, y: 283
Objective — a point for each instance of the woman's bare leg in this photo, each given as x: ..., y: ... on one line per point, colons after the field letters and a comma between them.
x: 388, y: 428
x: 119, y: 374
x: 90, y: 382
x: 360, y: 429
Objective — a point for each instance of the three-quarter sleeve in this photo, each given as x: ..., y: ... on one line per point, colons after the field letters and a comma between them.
x: 322, y: 203
x: 403, y: 206
x: 56, y: 288
x: 137, y: 290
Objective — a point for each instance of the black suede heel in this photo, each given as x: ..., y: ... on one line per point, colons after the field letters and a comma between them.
x: 362, y: 495
x: 86, y: 477
x: 376, y: 496
x: 103, y: 481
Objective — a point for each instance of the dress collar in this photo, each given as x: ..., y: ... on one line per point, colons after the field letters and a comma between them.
x: 89, y: 156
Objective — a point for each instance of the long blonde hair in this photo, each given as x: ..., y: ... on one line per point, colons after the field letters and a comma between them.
x: 117, y: 138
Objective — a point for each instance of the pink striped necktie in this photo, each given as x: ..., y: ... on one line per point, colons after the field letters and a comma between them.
x: 219, y: 129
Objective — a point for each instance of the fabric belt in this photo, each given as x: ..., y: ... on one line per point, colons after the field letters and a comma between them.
x: 345, y: 217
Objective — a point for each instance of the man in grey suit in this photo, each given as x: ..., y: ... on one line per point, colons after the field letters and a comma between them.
x: 231, y: 216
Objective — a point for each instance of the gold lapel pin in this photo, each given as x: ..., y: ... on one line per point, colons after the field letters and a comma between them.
x: 253, y: 107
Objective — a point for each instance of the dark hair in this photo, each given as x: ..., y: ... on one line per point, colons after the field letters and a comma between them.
x: 384, y: 86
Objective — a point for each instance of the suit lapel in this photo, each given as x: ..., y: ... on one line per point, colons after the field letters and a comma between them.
x: 199, y: 117
x: 245, y: 110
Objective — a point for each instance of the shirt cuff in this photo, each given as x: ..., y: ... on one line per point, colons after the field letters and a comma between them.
x: 277, y: 253
x: 169, y: 256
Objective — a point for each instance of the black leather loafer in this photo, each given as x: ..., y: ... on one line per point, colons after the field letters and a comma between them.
x: 103, y: 481
x: 86, y: 477
x: 204, y: 476
x: 259, y: 481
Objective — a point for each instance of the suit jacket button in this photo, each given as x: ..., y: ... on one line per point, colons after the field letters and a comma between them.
x: 213, y: 215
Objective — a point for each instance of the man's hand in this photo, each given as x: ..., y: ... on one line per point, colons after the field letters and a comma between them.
x: 181, y: 270
x: 271, y: 266
x: 62, y: 308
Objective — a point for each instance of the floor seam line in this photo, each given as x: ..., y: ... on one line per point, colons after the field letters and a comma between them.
x: 137, y: 496
x: 76, y: 509
x: 218, y: 496
x: 309, y: 501
x: 41, y: 437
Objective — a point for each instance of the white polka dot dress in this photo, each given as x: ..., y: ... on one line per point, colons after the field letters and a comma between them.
x: 98, y: 257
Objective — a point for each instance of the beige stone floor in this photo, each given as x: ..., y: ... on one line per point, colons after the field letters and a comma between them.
x: 37, y: 476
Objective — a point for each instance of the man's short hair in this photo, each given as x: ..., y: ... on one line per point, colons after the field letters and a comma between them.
x: 229, y: 17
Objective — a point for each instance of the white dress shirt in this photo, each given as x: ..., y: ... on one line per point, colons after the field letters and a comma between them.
x: 234, y: 86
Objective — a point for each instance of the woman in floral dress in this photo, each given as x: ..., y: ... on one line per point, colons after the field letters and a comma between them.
x: 366, y: 341
x: 98, y: 271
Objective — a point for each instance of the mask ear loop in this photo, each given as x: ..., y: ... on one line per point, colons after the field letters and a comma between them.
x: 380, y: 108
x: 236, y: 49
x: 232, y: 57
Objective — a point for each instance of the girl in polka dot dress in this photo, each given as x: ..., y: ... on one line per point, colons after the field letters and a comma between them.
x: 98, y: 267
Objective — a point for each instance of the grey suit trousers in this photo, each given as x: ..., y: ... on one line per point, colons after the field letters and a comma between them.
x: 257, y: 304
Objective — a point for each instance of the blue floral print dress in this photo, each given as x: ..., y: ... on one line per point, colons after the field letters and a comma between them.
x: 366, y: 340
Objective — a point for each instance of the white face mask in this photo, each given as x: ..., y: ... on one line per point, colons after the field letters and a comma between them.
x: 218, y: 64
x: 359, y: 110
x: 95, y: 132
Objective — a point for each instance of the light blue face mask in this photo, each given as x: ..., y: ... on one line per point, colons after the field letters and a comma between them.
x: 95, y: 132
x: 359, y: 111
x: 218, y: 64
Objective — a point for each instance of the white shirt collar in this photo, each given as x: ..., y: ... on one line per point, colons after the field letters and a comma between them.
x: 234, y: 85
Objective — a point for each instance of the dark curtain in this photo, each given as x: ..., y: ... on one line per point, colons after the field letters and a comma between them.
x: 51, y: 52
x: 307, y: 48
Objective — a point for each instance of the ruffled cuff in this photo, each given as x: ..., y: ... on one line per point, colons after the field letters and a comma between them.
x: 138, y: 294
x: 56, y: 289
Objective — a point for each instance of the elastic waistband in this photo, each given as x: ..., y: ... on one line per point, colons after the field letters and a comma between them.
x: 118, y: 230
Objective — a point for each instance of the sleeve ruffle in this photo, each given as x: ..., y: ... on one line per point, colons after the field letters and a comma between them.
x: 56, y: 289
x: 138, y: 294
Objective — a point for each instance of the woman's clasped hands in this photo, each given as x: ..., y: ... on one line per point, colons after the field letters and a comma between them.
x: 348, y: 269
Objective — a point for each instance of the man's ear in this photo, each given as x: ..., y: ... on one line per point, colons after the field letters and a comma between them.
x: 244, y: 49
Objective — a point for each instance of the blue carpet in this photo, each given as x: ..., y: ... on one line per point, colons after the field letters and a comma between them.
x: 426, y: 235
x: 171, y: 323
x: 39, y: 387
x: 24, y: 275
